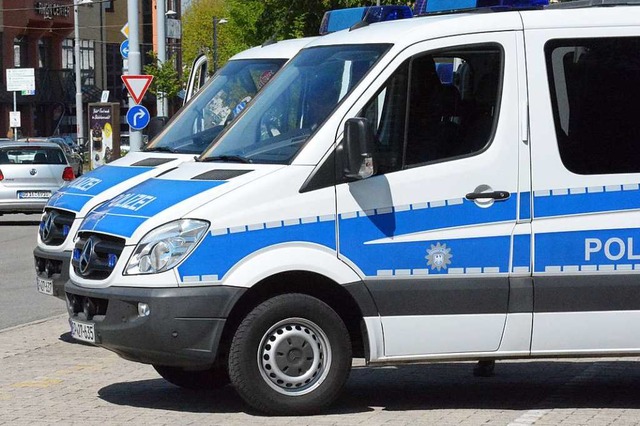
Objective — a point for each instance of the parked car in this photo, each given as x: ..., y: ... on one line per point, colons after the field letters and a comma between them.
x: 73, y: 157
x: 29, y: 174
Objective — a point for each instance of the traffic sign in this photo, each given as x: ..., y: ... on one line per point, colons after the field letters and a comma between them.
x: 125, y: 30
x: 138, y: 117
x: 137, y: 85
x: 124, y: 49
x: 19, y: 79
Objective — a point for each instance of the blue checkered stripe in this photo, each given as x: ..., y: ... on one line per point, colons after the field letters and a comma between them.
x: 584, y: 200
x: 224, y: 248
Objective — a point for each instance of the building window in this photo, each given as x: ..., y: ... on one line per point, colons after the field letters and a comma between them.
x: 87, y: 59
x: 44, y: 53
x: 108, y: 6
x: 19, y: 51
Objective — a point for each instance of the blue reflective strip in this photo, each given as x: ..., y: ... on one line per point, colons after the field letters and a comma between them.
x: 521, y: 253
x: 160, y: 194
x: 73, y: 197
x: 584, y: 251
x: 216, y: 255
x: 525, y: 205
x: 123, y: 226
x: 596, y: 199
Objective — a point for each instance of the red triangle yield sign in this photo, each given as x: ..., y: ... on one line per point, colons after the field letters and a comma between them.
x: 137, y: 85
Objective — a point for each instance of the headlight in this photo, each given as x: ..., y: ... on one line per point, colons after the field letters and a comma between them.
x: 166, y: 246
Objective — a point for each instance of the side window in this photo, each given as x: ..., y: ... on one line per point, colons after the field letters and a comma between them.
x: 436, y: 107
x: 595, y: 96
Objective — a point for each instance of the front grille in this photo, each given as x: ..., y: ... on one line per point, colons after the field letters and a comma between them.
x: 55, y: 226
x: 95, y: 255
x: 87, y: 308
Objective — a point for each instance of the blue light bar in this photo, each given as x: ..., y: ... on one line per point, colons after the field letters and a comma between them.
x: 65, y: 230
x: 341, y: 19
x: 435, y: 6
x: 112, y: 259
x: 76, y: 254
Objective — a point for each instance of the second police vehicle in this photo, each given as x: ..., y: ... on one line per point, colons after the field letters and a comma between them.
x: 456, y: 186
x: 202, y: 120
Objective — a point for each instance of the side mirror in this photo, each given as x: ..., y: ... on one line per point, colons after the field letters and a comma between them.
x: 358, y: 149
x: 155, y: 126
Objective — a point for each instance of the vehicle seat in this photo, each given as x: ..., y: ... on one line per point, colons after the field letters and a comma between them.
x: 40, y: 158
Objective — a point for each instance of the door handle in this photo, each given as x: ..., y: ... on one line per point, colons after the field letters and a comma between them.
x: 495, y: 195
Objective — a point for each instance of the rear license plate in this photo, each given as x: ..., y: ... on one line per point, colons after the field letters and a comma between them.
x: 45, y: 286
x: 34, y: 194
x: 82, y: 331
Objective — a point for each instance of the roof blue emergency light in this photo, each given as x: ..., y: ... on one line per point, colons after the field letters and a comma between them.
x: 341, y: 19
x: 434, y: 6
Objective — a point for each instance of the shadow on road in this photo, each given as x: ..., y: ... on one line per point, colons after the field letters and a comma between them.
x: 443, y: 386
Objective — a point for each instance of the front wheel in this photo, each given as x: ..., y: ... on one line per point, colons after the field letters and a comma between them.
x: 290, y: 355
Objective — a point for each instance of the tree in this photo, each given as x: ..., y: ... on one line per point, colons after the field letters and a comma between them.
x: 165, y: 77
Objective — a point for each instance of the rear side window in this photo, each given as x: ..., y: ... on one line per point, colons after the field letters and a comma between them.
x: 595, y: 96
x: 29, y: 155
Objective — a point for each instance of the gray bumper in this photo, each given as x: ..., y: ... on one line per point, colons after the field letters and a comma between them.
x: 183, y: 328
x: 57, y: 265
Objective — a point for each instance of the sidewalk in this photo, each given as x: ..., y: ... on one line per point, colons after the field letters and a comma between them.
x: 45, y: 380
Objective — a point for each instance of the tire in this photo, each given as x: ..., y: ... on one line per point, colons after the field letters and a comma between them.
x: 214, y: 378
x: 290, y: 333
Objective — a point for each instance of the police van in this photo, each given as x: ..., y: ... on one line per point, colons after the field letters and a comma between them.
x: 457, y: 186
x: 223, y: 98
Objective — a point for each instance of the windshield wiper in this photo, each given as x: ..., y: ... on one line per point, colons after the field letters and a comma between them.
x: 227, y: 158
x: 159, y: 149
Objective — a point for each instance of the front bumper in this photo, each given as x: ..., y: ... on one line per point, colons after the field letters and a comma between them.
x: 53, y: 266
x: 183, y: 328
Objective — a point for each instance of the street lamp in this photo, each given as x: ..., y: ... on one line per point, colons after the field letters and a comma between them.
x: 216, y: 21
x: 79, y: 114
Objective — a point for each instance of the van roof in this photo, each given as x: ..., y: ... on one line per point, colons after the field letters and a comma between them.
x: 285, y: 49
x: 410, y: 31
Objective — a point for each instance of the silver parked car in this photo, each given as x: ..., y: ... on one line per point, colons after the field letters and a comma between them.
x: 29, y: 174
x: 74, y: 158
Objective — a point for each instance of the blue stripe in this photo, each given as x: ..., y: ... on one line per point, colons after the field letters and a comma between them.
x: 525, y: 205
x: 73, y: 197
x: 521, y: 251
x: 216, y: 255
x: 594, y: 200
x: 580, y: 248
x: 157, y: 195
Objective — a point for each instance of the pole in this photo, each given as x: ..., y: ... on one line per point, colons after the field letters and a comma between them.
x: 135, y: 67
x: 215, y: 44
x: 162, y: 103
x: 79, y: 113
x: 15, y: 109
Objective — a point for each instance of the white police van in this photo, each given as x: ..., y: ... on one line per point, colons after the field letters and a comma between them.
x: 222, y: 99
x: 453, y: 187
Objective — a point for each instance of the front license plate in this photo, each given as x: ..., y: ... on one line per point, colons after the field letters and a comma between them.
x: 82, y: 331
x: 45, y: 286
x: 34, y: 194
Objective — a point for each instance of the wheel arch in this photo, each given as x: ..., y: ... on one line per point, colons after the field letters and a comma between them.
x: 341, y: 298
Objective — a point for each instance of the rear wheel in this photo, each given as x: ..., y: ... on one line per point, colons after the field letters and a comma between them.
x: 290, y: 355
x: 213, y: 378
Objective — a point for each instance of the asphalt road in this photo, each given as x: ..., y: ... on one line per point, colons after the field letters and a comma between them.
x: 20, y: 302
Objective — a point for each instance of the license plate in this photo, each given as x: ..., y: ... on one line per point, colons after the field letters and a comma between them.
x: 82, y: 331
x: 45, y: 286
x: 34, y: 194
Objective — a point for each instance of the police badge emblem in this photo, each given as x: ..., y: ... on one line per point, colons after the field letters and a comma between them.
x: 438, y: 256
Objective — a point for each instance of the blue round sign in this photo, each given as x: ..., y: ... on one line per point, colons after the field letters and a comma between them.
x: 124, y: 49
x: 138, y: 117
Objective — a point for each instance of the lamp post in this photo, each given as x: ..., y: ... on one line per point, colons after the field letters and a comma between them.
x: 79, y: 114
x: 216, y: 21
x: 161, y: 101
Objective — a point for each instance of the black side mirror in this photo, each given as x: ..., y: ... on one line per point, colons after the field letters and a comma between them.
x: 358, y: 149
x: 155, y: 126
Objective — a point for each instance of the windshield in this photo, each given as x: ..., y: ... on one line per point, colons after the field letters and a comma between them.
x: 307, y: 90
x: 228, y: 92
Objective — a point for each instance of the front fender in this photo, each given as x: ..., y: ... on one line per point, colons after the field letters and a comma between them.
x: 287, y: 257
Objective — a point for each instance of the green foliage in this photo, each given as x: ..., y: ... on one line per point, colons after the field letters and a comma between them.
x: 165, y: 76
x: 252, y: 22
